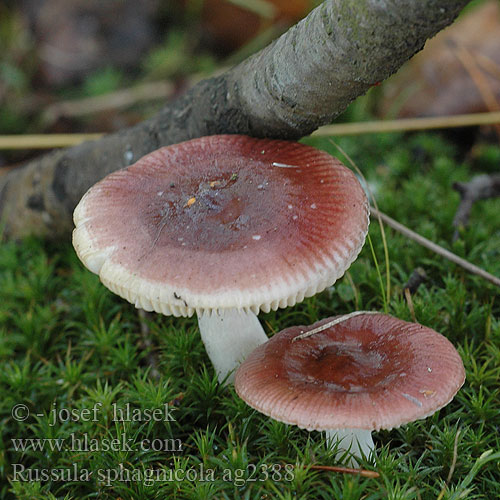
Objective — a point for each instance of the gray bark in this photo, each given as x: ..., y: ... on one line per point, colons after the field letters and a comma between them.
x: 301, y: 81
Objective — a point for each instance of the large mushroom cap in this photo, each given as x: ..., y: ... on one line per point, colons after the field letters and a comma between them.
x: 222, y: 222
x: 371, y: 371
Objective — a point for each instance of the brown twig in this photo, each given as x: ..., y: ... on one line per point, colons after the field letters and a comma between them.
x: 435, y: 247
x: 345, y: 470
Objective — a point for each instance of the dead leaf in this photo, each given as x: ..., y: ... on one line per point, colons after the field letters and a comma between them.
x: 457, y: 72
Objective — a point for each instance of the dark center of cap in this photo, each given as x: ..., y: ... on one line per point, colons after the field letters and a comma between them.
x: 359, y: 364
x: 224, y: 207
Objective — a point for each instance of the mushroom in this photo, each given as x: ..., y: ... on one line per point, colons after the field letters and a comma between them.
x: 223, y: 226
x: 351, y: 375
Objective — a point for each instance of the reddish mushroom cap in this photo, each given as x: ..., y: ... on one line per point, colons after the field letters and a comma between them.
x: 371, y: 371
x: 223, y: 221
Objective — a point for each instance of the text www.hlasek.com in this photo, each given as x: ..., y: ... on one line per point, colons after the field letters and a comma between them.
x: 83, y: 443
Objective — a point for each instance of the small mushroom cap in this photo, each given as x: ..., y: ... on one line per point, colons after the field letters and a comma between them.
x: 222, y: 222
x: 372, y: 371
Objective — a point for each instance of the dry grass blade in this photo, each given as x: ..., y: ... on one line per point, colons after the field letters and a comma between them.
x: 262, y: 8
x: 49, y: 141
x: 44, y: 141
x: 329, y: 324
x: 409, y: 124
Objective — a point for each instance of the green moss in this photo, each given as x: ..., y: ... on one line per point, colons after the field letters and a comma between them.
x: 66, y: 342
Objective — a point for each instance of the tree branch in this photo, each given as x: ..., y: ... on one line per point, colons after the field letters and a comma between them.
x: 299, y: 82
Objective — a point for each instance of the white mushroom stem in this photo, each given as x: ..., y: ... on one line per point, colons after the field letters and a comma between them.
x: 230, y: 335
x: 357, y: 442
